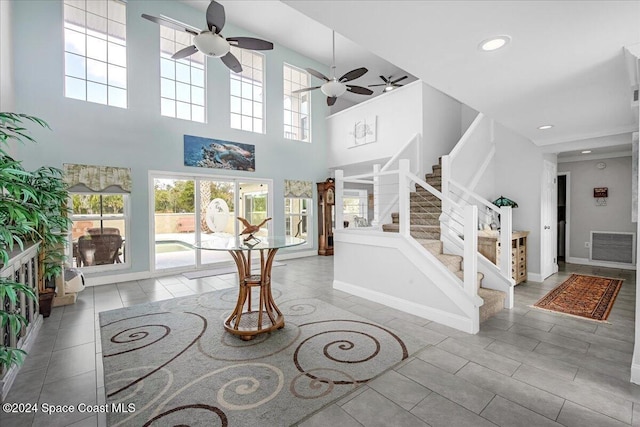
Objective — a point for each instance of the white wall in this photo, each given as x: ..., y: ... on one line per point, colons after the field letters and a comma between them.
x: 399, y: 117
x: 138, y: 137
x: 518, y: 175
x: 441, y: 118
x: 415, y: 108
x: 585, y: 215
x: 6, y: 58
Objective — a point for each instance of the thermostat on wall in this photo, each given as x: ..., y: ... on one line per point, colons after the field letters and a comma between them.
x: 601, y: 165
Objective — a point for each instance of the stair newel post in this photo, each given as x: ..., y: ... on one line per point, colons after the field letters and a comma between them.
x: 505, y: 241
x: 339, y: 199
x: 471, y: 249
x: 376, y: 195
x: 403, y: 197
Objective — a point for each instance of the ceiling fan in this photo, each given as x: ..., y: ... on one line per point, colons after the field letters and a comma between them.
x: 210, y: 42
x: 334, y: 87
x: 389, y: 84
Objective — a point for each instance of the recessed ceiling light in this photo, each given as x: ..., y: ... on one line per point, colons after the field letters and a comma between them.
x: 494, y: 43
x: 586, y: 151
x: 545, y: 127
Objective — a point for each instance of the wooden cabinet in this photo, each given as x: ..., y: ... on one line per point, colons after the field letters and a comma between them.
x: 489, y: 246
x: 326, y: 204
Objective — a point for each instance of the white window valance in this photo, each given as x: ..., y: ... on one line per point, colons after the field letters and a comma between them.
x: 298, y: 189
x: 97, y: 179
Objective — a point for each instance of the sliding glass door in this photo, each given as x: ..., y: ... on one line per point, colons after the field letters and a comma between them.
x: 189, y: 209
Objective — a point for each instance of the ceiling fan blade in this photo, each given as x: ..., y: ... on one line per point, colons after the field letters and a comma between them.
x: 397, y: 80
x: 317, y: 74
x: 359, y: 90
x: 168, y: 23
x: 306, y: 89
x: 250, y: 43
x: 353, y: 74
x: 381, y: 84
x: 183, y: 53
x: 215, y: 17
x: 384, y: 79
x: 232, y: 62
x: 331, y: 100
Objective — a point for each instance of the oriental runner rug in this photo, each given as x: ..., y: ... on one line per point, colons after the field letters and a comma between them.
x: 176, y: 365
x: 589, y: 297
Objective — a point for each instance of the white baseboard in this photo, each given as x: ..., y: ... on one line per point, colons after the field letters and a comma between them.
x: 116, y: 278
x: 535, y: 277
x: 586, y: 261
x: 449, y: 319
x: 635, y: 372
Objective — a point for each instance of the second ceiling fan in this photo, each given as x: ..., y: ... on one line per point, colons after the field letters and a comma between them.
x: 334, y: 87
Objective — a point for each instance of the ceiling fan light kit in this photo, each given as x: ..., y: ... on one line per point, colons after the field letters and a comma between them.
x: 210, y: 42
x: 333, y: 88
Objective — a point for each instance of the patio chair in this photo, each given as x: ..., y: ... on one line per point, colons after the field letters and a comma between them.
x: 99, y: 249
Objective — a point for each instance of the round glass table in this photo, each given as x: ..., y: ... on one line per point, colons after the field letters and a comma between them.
x: 247, y: 321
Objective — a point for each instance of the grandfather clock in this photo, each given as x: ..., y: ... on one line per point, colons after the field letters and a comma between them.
x: 326, y: 203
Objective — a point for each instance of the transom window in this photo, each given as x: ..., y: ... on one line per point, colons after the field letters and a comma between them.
x: 247, y: 91
x: 95, y: 50
x: 182, y: 81
x: 296, y: 105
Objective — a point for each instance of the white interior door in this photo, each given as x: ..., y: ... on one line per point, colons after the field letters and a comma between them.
x: 548, y: 234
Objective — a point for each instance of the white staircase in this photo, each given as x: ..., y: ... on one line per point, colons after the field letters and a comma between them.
x: 426, y: 210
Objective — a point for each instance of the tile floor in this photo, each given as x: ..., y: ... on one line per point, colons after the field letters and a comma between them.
x: 525, y: 368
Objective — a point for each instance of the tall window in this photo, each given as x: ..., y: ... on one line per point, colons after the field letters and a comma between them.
x: 95, y: 45
x: 99, y: 229
x: 247, y: 92
x: 182, y: 81
x: 296, y: 105
x: 297, y: 217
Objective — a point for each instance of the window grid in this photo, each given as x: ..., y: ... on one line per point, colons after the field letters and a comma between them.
x: 247, y: 92
x: 297, y: 217
x: 96, y: 51
x: 296, y: 105
x: 182, y: 81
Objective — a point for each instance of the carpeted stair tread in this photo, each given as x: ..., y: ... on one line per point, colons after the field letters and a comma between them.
x: 480, y: 276
x: 493, y: 302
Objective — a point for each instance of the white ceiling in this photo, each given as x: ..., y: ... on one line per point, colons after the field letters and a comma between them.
x: 279, y: 23
x: 564, y: 66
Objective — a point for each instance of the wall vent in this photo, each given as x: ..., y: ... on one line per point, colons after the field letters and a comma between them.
x: 612, y: 246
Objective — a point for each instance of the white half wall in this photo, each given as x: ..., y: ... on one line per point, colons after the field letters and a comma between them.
x: 386, y: 268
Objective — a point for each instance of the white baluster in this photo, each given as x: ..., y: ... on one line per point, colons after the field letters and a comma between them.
x: 470, y: 249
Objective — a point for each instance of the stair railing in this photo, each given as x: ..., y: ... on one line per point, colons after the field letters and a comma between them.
x: 407, y: 187
x: 479, y: 136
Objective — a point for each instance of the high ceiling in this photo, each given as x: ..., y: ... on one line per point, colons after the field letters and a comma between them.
x: 564, y: 66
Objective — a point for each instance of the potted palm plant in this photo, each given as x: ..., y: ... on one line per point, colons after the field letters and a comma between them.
x: 32, y: 208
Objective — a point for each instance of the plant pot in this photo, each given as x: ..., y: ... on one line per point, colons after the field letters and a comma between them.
x: 46, y: 300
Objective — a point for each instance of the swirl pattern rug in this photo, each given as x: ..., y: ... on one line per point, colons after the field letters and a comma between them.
x: 590, y: 297
x: 176, y: 363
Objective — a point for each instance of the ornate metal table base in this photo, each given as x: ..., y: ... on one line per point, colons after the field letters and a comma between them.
x: 245, y: 321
